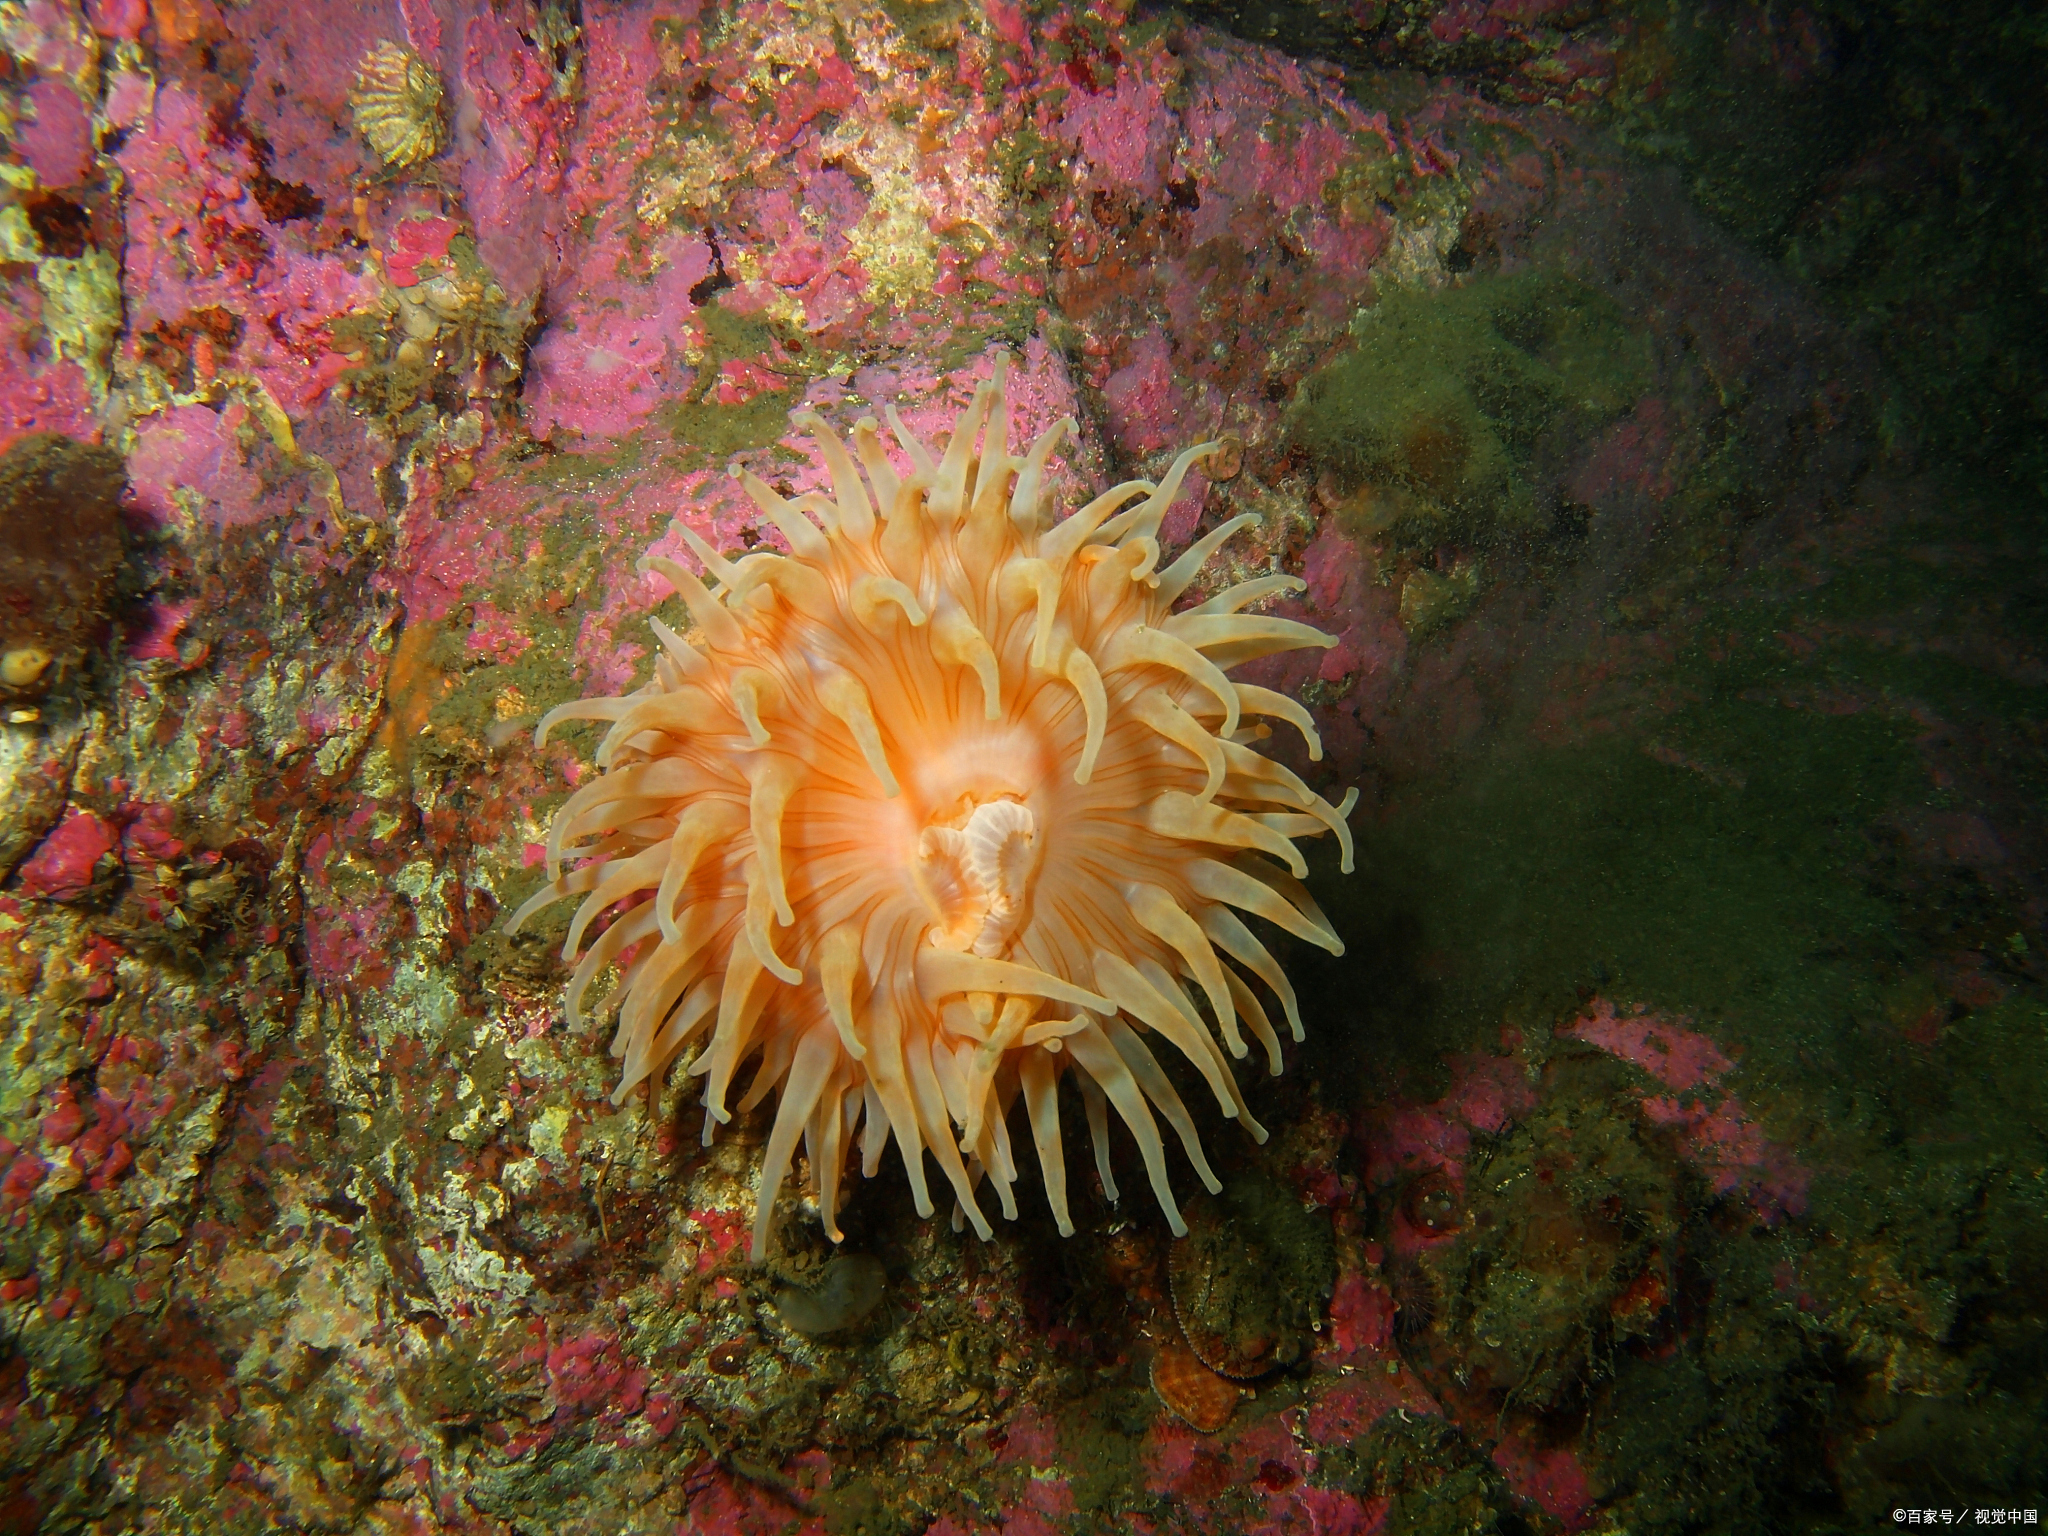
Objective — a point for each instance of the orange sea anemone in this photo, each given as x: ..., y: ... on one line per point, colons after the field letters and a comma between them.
x: 940, y: 806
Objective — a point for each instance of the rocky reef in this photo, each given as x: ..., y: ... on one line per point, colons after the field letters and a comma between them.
x: 1664, y: 1154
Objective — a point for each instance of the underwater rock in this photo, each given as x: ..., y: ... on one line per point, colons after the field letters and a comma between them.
x: 60, y: 543
x: 850, y: 1289
x: 1521, y: 1274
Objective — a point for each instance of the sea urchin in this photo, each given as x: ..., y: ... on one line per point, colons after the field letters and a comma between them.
x: 939, y: 806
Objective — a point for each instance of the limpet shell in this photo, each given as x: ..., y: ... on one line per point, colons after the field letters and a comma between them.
x: 849, y: 1289
x: 1242, y: 1292
x: 1195, y: 1394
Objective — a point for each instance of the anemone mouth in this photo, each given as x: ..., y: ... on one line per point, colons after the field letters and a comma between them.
x: 978, y: 870
x: 946, y: 809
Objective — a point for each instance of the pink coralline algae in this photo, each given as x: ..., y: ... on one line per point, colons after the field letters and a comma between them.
x: 1718, y: 1135
x: 1550, y: 1478
x: 1487, y: 1093
x: 56, y: 141
x: 1361, y: 1317
x: 589, y: 1376
x: 201, y: 451
x: 154, y: 637
x: 1122, y: 132
x: 61, y: 869
x: 199, y: 240
x: 602, y: 378
x: 1676, y: 1055
x: 38, y: 393
x: 416, y: 243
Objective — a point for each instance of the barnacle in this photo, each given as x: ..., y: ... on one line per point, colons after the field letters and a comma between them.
x: 397, y: 105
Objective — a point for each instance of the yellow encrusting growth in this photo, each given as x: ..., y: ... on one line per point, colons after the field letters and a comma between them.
x: 939, y: 807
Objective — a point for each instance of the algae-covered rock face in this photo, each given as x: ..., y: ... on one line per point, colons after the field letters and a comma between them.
x: 60, y: 543
x: 1442, y: 419
x: 1520, y: 1278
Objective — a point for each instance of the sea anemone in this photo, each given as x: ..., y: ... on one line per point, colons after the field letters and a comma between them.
x: 940, y: 806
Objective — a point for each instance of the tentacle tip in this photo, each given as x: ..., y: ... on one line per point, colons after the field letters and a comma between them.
x: 1213, y: 1184
x: 1175, y: 1225
x: 1066, y: 1229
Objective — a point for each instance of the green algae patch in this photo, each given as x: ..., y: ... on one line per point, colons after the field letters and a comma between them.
x: 82, y: 311
x: 1717, y: 860
x: 1435, y: 417
x: 710, y: 433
